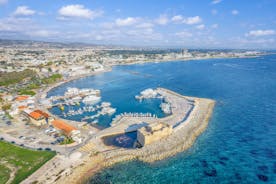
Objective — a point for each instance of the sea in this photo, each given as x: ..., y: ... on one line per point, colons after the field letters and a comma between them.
x: 239, y: 145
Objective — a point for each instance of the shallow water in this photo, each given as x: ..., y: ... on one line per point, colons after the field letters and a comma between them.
x: 239, y: 145
x: 126, y: 140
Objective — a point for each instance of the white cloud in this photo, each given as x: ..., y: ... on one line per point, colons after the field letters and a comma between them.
x: 235, y: 12
x: 145, y: 25
x: 162, y: 20
x: 127, y: 21
x: 216, y: 1
x: 267, y: 32
x: 214, y: 26
x: 214, y: 12
x: 184, y: 34
x: 78, y: 11
x: 3, y: 1
x: 15, y: 24
x: 42, y: 33
x: 200, y: 27
x: 186, y: 20
x: 177, y: 18
x: 192, y: 20
x: 23, y: 10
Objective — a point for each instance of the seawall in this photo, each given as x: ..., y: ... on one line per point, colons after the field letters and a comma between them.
x: 179, y: 141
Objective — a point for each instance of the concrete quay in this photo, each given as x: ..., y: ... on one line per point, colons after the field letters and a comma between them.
x: 190, y: 117
x: 181, y: 107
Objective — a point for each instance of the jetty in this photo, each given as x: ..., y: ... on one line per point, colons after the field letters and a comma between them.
x: 181, y: 107
x: 188, y: 119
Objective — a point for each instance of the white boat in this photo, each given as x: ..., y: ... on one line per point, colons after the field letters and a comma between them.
x: 105, y: 104
x: 108, y: 110
x: 166, y: 108
x: 91, y: 99
x: 71, y: 92
x: 76, y: 99
x: 147, y: 93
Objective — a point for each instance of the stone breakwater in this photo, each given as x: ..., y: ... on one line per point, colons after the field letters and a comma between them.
x: 181, y: 139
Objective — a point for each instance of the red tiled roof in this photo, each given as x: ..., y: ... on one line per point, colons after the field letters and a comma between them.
x: 22, y: 107
x: 21, y: 98
x: 61, y: 125
x: 36, y: 115
x: 42, y: 113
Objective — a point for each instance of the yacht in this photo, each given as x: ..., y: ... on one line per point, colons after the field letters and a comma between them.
x: 91, y: 99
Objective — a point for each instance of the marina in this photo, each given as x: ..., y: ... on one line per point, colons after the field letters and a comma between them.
x: 129, y: 122
x: 76, y: 102
x: 117, y: 143
x: 120, y: 141
x: 186, y: 129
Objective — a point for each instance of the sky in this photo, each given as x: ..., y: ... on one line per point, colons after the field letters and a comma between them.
x: 162, y: 23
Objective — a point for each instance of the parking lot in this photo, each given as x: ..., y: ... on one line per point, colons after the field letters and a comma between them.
x: 19, y: 131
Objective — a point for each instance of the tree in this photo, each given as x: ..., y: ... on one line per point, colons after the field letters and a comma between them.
x: 6, y: 107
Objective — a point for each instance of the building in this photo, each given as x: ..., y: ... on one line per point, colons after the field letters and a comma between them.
x: 37, y: 117
x: 21, y: 98
x: 152, y: 133
x: 68, y: 130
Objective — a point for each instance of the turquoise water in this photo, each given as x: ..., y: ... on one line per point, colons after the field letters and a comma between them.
x: 239, y: 145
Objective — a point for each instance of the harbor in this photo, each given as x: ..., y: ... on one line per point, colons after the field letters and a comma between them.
x: 188, y: 118
x: 76, y: 102
x: 181, y: 139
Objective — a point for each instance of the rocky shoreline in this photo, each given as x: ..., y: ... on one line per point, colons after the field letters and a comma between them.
x: 184, y: 136
x: 178, y: 142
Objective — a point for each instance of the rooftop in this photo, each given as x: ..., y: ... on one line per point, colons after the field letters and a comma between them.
x: 42, y: 113
x: 61, y: 125
x: 36, y: 115
x: 21, y: 98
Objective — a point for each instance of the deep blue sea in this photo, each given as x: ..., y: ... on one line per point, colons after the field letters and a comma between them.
x: 239, y: 145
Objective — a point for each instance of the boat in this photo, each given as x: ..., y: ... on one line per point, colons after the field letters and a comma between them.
x: 91, y: 99
x: 108, y: 110
x: 105, y: 104
x: 61, y: 107
x: 166, y: 108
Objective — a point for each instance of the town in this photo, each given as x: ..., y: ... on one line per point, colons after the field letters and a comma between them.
x: 30, y: 70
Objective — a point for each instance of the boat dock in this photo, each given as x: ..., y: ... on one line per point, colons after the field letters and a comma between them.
x: 181, y: 107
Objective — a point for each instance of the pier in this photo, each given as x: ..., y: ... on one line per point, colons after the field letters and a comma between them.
x: 189, y: 118
x: 181, y: 107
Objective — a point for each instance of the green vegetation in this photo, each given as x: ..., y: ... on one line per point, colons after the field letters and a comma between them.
x: 67, y: 140
x: 6, y: 107
x: 33, y: 86
x: 26, y: 92
x: 8, y: 115
x: 49, y: 63
x: 4, y: 174
x: 15, y: 77
x: 24, y: 160
x: 52, y: 79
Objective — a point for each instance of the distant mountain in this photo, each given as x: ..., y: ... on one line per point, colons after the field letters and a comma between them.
x: 42, y: 44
